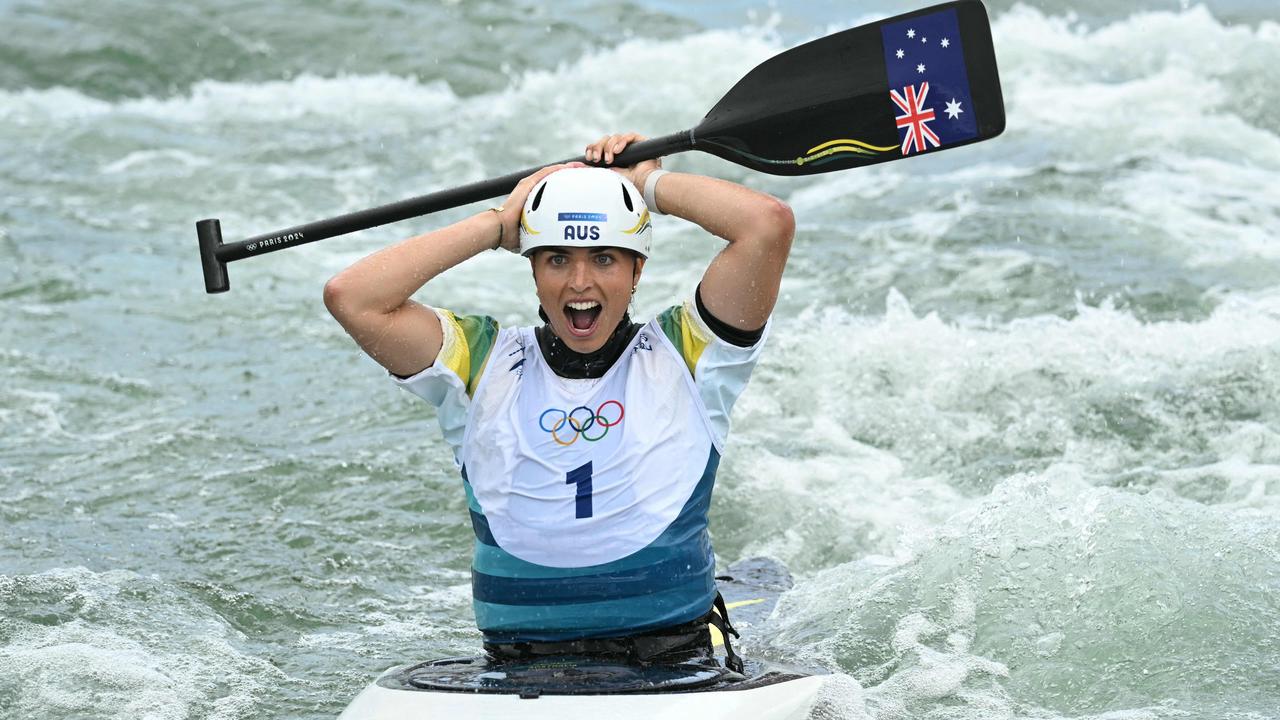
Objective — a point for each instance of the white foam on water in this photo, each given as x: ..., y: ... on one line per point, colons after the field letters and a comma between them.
x: 614, y: 89
x: 927, y: 396
x: 1044, y: 52
x: 116, y: 645
x: 435, y: 616
x: 1179, y: 131
x: 840, y: 698
x: 143, y: 158
x: 263, y: 155
x: 353, y: 100
x: 830, y: 497
x: 28, y: 107
x: 612, y: 85
x: 1078, y: 600
x: 1135, y: 553
x: 40, y: 416
x: 1224, y: 214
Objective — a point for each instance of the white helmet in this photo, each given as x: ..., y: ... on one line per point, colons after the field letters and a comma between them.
x: 585, y: 207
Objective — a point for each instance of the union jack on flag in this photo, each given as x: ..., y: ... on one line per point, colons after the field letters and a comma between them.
x: 915, y: 118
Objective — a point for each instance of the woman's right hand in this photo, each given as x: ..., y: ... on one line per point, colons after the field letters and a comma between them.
x: 509, y: 216
x: 607, y: 147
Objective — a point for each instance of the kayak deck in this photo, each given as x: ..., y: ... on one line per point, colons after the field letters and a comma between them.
x: 572, y: 675
x: 789, y: 700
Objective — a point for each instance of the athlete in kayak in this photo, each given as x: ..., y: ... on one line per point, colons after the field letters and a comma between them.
x: 588, y: 446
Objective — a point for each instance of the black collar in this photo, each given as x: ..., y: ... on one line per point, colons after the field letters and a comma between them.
x: 575, y: 365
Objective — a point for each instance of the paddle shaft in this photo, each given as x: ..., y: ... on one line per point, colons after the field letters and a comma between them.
x: 214, y: 254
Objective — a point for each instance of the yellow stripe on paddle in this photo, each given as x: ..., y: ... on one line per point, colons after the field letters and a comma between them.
x: 849, y: 141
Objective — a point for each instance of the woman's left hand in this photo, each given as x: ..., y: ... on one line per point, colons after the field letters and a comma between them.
x: 604, y: 150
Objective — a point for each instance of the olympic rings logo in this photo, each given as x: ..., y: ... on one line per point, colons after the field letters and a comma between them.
x: 581, y: 420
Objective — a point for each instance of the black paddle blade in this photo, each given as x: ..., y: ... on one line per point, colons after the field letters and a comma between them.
x: 916, y: 83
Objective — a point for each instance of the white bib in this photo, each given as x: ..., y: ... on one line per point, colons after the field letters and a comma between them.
x: 574, y: 473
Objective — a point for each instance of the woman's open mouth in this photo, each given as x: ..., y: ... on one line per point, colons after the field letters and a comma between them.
x: 582, y: 317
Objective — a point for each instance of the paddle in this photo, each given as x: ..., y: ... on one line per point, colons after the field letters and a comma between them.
x: 916, y: 83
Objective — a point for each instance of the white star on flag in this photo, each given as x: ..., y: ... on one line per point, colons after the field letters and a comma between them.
x: 953, y: 109
x: 920, y: 68
x: 924, y: 39
x: 946, y: 42
x: 899, y: 53
x: 911, y: 33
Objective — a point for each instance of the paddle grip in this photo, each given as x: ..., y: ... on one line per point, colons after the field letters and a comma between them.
x: 209, y: 233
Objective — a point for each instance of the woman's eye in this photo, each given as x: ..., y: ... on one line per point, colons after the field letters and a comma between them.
x: 604, y: 260
x: 559, y: 259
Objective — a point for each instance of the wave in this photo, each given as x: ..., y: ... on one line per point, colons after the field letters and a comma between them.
x: 130, y: 645
x: 1053, y: 598
x: 919, y: 418
x: 1051, y: 517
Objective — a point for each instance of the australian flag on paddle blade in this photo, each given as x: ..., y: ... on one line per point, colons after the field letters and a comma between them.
x: 928, y: 84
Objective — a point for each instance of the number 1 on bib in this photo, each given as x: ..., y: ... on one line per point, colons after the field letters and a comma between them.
x: 581, y: 476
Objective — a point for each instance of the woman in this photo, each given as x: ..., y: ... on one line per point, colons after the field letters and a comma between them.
x: 588, y: 446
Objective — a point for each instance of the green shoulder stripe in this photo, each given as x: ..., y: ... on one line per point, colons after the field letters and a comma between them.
x: 467, y: 347
x: 685, y: 332
x: 481, y: 332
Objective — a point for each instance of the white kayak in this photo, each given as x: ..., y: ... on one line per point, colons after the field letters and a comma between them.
x: 775, y: 695
x: 568, y: 687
